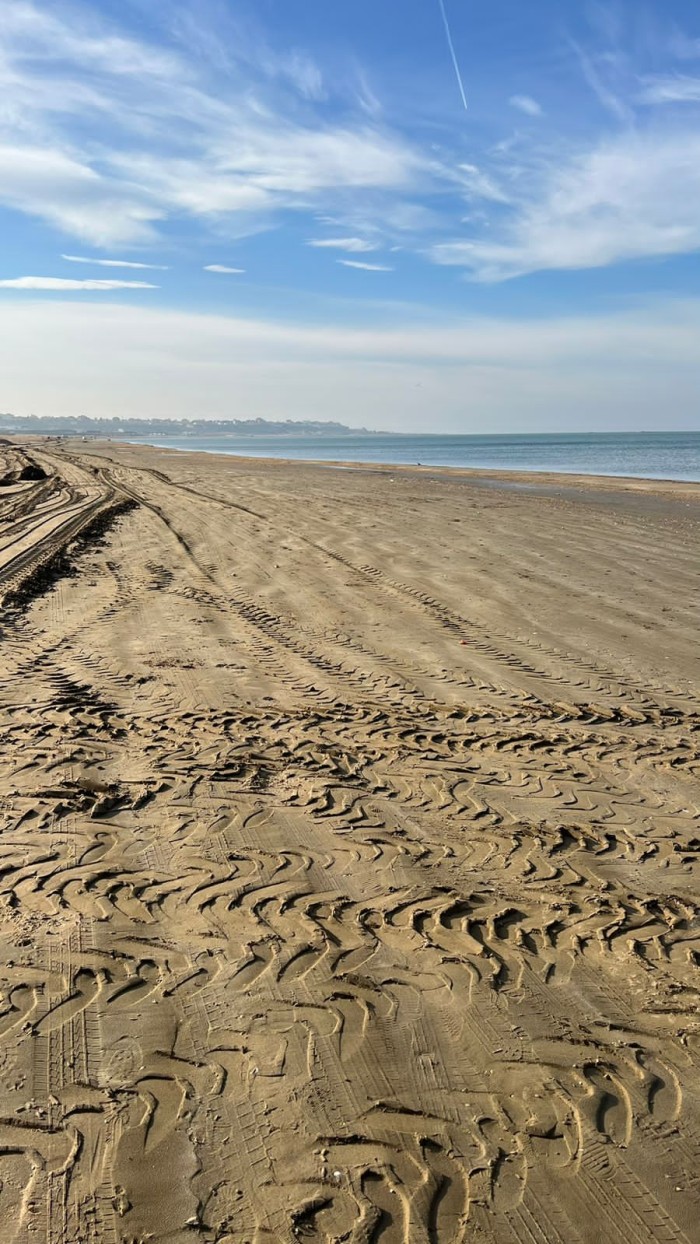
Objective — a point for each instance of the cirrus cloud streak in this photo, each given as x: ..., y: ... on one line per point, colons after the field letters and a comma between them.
x: 66, y: 283
x: 351, y: 245
x: 365, y: 267
x: 114, y: 263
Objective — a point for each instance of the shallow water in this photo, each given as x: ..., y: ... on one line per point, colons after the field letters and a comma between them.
x: 645, y: 455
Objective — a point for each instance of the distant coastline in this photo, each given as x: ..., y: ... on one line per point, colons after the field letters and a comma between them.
x: 84, y: 425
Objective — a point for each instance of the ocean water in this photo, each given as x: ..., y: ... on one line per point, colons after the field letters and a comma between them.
x: 644, y: 455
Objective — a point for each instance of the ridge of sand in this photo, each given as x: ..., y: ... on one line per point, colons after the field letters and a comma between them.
x: 350, y: 827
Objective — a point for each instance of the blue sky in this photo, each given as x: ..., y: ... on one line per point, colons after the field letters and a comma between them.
x: 284, y: 208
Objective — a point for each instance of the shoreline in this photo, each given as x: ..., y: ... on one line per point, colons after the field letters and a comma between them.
x: 512, y: 476
x: 510, y: 473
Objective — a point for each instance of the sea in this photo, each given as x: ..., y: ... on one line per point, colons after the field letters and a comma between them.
x: 641, y: 455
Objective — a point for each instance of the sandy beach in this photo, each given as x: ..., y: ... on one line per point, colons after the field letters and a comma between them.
x: 350, y: 828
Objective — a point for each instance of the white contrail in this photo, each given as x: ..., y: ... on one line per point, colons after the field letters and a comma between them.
x: 451, y: 46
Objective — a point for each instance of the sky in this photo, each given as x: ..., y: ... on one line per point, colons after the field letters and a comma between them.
x: 411, y: 215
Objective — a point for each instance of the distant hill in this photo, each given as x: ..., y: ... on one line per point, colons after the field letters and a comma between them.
x: 83, y: 425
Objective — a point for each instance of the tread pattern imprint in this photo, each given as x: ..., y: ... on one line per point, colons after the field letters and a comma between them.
x: 348, y: 876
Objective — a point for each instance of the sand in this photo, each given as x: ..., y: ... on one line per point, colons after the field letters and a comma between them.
x: 350, y: 827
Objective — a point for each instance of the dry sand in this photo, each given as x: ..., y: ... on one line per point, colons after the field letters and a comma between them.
x: 349, y: 854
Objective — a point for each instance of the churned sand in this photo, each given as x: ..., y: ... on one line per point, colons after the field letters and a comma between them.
x: 350, y: 826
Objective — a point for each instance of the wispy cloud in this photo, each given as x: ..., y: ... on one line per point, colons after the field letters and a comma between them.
x: 221, y: 37
x: 678, y: 89
x: 526, y: 104
x: 479, y: 184
x: 29, y: 27
x: 71, y: 195
x: 366, y: 267
x: 159, y: 138
x: 343, y: 244
x: 630, y: 197
x: 684, y: 46
x: 61, y: 284
x: 599, y: 73
x: 114, y: 263
x: 305, y: 74
x: 220, y: 267
x: 366, y: 97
